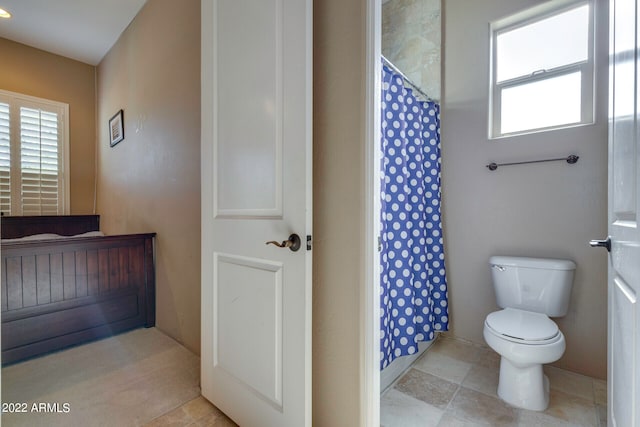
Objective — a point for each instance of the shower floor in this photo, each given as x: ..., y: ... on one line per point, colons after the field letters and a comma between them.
x: 455, y: 384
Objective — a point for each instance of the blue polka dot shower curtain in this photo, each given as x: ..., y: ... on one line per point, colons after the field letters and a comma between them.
x: 413, y: 284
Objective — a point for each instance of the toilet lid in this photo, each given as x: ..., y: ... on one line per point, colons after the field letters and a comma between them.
x: 523, y: 325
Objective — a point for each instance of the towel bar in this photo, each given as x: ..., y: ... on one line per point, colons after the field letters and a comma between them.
x: 569, y: 159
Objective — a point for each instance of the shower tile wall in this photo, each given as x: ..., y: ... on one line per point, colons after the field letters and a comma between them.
x: 411, y: 39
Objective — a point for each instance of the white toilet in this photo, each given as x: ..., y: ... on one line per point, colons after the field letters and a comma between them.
x: 530, y: 290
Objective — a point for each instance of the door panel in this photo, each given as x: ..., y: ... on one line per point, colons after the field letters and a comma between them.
x: 248, y: 334
x: 623, y: 321
x: 248, y: 82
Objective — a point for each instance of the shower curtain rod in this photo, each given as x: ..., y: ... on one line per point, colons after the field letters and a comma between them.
x: 406, y: 79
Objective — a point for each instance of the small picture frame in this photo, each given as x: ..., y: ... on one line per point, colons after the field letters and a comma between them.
x: 116, y: 128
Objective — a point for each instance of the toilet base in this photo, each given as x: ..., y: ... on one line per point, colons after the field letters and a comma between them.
x: 523, y: 387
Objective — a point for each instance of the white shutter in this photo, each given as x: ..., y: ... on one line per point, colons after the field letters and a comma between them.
x: 39, y: 160
x: 5, y: 159
x: 34, y: 144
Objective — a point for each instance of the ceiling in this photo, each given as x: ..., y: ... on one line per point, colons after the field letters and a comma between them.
x: 83, y: 30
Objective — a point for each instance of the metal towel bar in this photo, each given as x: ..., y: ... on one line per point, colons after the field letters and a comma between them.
x: 569, y: 159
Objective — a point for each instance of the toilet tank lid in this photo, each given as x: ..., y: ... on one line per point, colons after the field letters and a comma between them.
x: 543, y: 263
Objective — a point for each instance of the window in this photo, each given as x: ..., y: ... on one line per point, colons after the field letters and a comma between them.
x: 542, y: 74
x: 33, y: 146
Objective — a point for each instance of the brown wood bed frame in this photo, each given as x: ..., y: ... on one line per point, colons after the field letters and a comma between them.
x: 58, y: 293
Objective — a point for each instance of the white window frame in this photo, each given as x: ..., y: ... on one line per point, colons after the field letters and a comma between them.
x: 586, y: 68
x: 16, y: 101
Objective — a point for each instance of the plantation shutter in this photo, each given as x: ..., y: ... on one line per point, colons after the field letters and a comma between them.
x: 5, y: 159
x: 39, y: 154
x: 33, y: 141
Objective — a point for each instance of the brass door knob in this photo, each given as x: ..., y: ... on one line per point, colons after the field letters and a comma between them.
x: 293, y: 243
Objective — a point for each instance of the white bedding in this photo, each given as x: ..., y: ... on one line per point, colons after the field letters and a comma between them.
x: 49, y: 236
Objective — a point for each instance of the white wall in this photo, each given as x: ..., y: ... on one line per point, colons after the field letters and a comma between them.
x: 544, y: 210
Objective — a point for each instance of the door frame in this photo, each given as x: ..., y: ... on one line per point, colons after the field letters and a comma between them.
x: 369, y: 330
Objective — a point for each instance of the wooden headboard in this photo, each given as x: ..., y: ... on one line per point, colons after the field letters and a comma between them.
x: 13, y: 227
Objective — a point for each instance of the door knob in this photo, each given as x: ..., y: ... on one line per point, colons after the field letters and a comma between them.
x: 602, y: 243
x: 293, y: 243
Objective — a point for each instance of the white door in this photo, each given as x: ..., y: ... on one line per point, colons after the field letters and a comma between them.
x: 624, y: 208
x: 256, y: 187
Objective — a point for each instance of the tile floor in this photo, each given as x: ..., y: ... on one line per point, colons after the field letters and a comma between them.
x: 196, y: 413
x: 455, y: 384
x: 138, y: 378
x: 144, y: 378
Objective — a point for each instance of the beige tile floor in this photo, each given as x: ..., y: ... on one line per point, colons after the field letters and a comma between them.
x: 195, y: 413
x: 138, y: 378
x: 144, y: 378
x: 455, y: 384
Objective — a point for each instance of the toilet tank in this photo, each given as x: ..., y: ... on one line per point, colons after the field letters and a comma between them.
x: 542, y: 285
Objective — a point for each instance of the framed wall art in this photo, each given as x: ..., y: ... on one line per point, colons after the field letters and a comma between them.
x: 116, y: 128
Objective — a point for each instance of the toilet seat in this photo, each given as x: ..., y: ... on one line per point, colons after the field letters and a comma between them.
x: 524, y: 327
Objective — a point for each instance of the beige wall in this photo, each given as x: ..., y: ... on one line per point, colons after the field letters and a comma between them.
x: 338, y: 209
x: 544, y: 210
x: 411, y: 40
x: 38, y: 73
x: 150, y: 182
